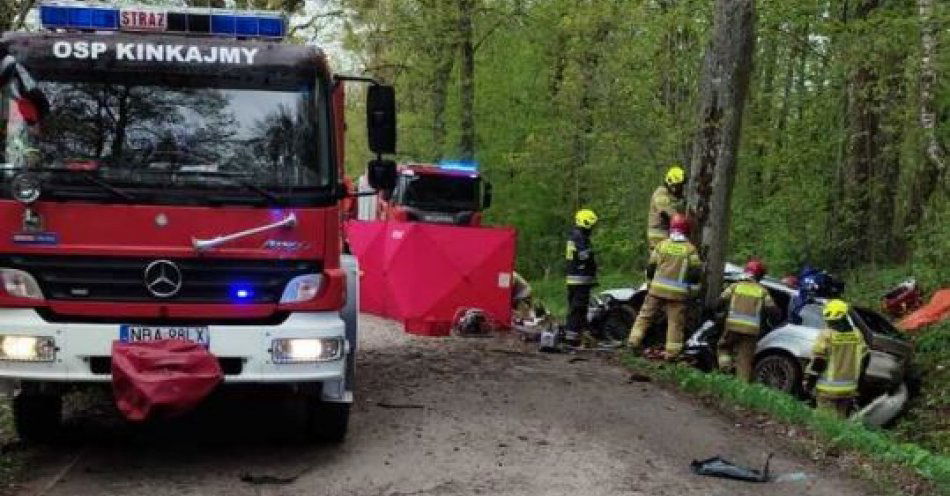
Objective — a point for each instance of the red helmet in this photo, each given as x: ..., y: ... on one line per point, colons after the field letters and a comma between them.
x: 679, y: 223
x: 755, y: 268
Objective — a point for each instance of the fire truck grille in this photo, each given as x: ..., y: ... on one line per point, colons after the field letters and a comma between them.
x: 124, y: 279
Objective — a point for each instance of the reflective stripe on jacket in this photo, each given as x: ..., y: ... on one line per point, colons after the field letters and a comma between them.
x: 844, y: 352
x: 663, y: 205
x: 746, y: 301
x: 673, y: 261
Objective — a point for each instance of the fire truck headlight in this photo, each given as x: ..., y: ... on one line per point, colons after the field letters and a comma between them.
x: 20, y: 284
x: 28, y: 348
x: 302, y: 288
x: 296, y: 350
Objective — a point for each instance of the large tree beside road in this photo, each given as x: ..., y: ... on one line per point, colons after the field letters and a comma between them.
x: 724, y: 83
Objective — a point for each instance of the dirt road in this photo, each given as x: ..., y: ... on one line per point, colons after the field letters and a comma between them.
x: 476, y: 417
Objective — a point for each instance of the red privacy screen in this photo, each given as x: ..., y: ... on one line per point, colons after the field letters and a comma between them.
x: 422, y: 274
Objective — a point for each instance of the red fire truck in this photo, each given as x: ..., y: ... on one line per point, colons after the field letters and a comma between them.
x: 447, y: 193
x: 176, y: 174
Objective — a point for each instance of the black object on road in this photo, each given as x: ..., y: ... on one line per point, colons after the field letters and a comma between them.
x: 719, y: 467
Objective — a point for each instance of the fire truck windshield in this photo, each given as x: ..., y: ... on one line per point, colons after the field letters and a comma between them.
x: 162, y: 142
x: 438, y: 192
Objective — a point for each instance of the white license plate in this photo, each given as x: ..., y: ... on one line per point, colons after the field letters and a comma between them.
x: 138, y: 333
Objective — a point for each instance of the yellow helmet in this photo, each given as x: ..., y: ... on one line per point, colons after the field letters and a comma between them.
x: 675, y: 175
x: 835, y: 310
x: 585, y: 218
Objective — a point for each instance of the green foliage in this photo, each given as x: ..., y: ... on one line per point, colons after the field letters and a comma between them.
x: 928, y: 421
x: 585, y: 103
x: 875, y: 445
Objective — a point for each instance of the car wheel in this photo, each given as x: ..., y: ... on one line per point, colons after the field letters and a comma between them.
x: 37, y: 417
x: 780, y: 372
x: 327, y: 422
x: 618, y: 322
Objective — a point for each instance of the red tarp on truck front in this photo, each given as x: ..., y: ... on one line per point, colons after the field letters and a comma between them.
x: 422, y: 274
x: 162, y: 378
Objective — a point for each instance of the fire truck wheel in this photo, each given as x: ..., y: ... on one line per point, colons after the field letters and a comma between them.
x: 327, y: 422
x: 37, y: 417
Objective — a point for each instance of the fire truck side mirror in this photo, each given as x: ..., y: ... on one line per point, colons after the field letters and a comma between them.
x: 382, y: 175
x: 486, y: 196
x: 13, y: 73
x: 381, y: 119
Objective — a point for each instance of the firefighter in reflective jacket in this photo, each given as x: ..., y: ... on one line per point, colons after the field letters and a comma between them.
x: 838, y: 358
x: 748, y: 302
x: 666, y: 202
x: 673, y: 270
x: 581, y: 273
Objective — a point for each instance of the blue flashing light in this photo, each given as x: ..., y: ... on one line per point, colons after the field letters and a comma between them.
x: 245, y: 25
x: 271, y: 27
x: 242, y: 293
x: 57, y: 16
x: 222, y: 22
x: 459, y: 165
x: 51, y: 16
x: 222, y: 25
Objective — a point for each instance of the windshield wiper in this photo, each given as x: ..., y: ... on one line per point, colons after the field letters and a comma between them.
x: 91, y: 179
x: 257, y: 189
x: 106, y: 186
x: 232, y: 178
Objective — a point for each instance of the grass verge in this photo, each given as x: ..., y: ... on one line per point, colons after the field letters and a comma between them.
x: 927, y: 422
x: 873, y: 445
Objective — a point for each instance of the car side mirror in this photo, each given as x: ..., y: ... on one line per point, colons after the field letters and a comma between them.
x: 381, y: 119
x: 381, y: 174
x: 486, y: 195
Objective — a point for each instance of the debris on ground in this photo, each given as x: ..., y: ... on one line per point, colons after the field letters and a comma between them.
x: 399, y: 406
x: 264, y: 480
x: 472, y: 322
x: 719, y: 467
x: 639, y: 378
x: 549, y: 341
x: 792, y: 477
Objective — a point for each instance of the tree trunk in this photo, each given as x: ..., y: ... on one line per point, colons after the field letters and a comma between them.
x: 589, y: 61
x: 440, y: 88
x: 786, y: 95
x: 723, y: 87
x: 883, y: 237
x: 935, y: 163
x: 863, y: 149
x: 467, y: 77
x: 802, y: 77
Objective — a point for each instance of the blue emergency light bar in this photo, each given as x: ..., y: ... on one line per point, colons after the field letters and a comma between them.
x: 215, y: 22
x: 459, y: 165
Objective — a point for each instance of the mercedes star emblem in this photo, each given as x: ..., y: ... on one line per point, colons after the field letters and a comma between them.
x: 163, y: 278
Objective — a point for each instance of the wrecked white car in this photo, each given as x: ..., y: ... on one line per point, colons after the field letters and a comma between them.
x: 784, y: 349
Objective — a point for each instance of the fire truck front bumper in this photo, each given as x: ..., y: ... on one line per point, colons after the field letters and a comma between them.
x: 307, y: 348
